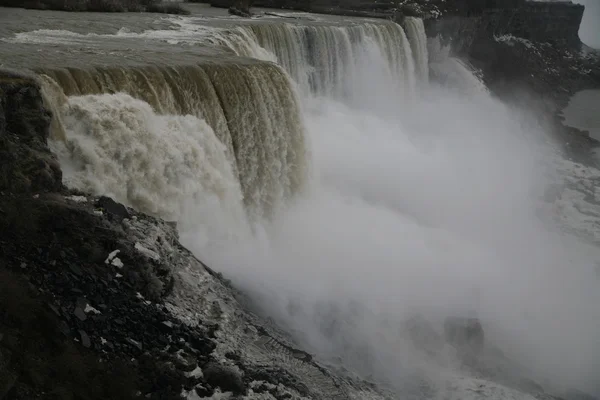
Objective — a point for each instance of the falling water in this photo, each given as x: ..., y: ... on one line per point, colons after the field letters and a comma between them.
x: 263, y: 140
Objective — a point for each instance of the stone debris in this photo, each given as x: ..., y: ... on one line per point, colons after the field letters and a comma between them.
x: 85, y: 339
x: 79, y: 313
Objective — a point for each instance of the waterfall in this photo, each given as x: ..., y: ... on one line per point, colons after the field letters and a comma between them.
x: 247, y: 102
x: 251, y: 108
x: 325, y: 59
x: 418, y: 42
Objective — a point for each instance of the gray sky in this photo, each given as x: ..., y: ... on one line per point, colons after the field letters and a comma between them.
x: 590, y: 27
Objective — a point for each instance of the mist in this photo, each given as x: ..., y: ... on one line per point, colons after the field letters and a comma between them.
x: 430, y: 207
x: 590, y: 25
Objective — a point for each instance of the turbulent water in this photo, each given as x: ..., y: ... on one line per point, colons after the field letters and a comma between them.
x: 329, y: 178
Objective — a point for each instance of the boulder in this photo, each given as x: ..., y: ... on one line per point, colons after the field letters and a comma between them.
x: 227, y: 378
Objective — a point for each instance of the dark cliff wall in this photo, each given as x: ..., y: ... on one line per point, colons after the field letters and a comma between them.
x: 26, y: 164
x: 370, y: 8
x: 552, y: 22
x: 541, y: 22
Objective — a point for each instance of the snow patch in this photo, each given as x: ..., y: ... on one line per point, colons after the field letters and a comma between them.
x: 89, y: 308
x: 111, y: 256
x: 117, y: 262
x: 77, y: 199
x: 196, y: 373
x: 511, y: 39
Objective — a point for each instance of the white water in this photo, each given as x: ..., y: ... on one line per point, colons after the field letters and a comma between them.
x: 413, y: 207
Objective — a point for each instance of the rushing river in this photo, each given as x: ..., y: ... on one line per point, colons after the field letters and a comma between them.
x: 312, y: 161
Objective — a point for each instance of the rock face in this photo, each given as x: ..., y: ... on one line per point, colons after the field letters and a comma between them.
x: 98, y: 301
x: 537, y: 21
x: 26, y: 164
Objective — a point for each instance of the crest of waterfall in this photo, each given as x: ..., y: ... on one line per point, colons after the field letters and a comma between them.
x: 327, y: 60
x: 263, y: 141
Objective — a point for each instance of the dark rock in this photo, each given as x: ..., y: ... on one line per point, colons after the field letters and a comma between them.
x: 225, y: 377
x: 55, y: 310
x: 26, y: 163
x: 166, y: 326
x: 7, y: 382
x: 64, y: 328
x: 80, y: 314
x: 116, y: 211
x: 185, y: 362
x: 239, y: 13
x: 85, y: 339
x: 135, y: 343
x: 466, y: 334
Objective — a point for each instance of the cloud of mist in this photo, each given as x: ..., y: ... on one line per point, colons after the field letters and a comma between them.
x: 433, y: 210
x: 590, y: 25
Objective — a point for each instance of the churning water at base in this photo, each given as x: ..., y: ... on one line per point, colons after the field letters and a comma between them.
x: 420, y: 199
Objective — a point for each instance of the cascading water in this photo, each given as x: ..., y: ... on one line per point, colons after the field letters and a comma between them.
x: 414, y: 205
x: 263, y: 140
x: 418, y: 43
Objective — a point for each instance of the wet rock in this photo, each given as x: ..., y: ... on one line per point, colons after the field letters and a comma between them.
x: 115, y: 211
x: 466, y: 334
x: 135, y: 343
x: 229, y: 379
x: 26, y: 163
x: 80, y: 314
x: 85, y: 339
